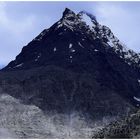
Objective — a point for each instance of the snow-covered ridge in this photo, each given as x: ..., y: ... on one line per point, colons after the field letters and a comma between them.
x: 73, y: 21
x: 112, y: 41
x: 92, y: 17
x: 128, y: 55
x: 89, y: 19
x: 70, y: 20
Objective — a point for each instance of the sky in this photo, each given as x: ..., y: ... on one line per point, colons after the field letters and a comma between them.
x: 20, y: 22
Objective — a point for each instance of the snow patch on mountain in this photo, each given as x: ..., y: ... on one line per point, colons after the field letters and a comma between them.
x: 54, y: 49
x: 96, y: 50
x: 70, y: 45
x: 139, y: 81
x: 87, y: 20
x: 72, y: 50
x: 19, y: 65
x: 80, y: 44
x: 137, y: 99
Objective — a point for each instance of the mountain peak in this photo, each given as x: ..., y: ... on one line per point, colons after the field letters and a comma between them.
x: 67, y: 12
x: 68, y: 38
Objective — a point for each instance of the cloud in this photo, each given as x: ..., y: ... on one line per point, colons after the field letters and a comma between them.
x: 14, y: 33
x: 17, y: 28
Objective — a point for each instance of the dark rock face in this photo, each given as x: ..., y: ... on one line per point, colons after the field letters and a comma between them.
x: 76, y: 64
x: 125, y: 128
x: 57, y: 89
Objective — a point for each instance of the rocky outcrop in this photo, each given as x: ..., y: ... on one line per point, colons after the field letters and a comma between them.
x: 125, y: 128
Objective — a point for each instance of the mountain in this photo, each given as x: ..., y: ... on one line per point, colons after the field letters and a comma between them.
x: 71, y: 41
x: 79, y: 69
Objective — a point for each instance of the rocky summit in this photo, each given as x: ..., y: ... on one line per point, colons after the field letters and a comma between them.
x: 77, y: 69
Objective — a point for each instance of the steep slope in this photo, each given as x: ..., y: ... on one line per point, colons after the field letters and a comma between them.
x: 79, y: 43
x: 71, y: 41
x: 56, y: 89
x: 77, y: 65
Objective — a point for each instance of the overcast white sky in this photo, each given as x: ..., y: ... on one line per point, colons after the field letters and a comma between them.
x: 20, y: 22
